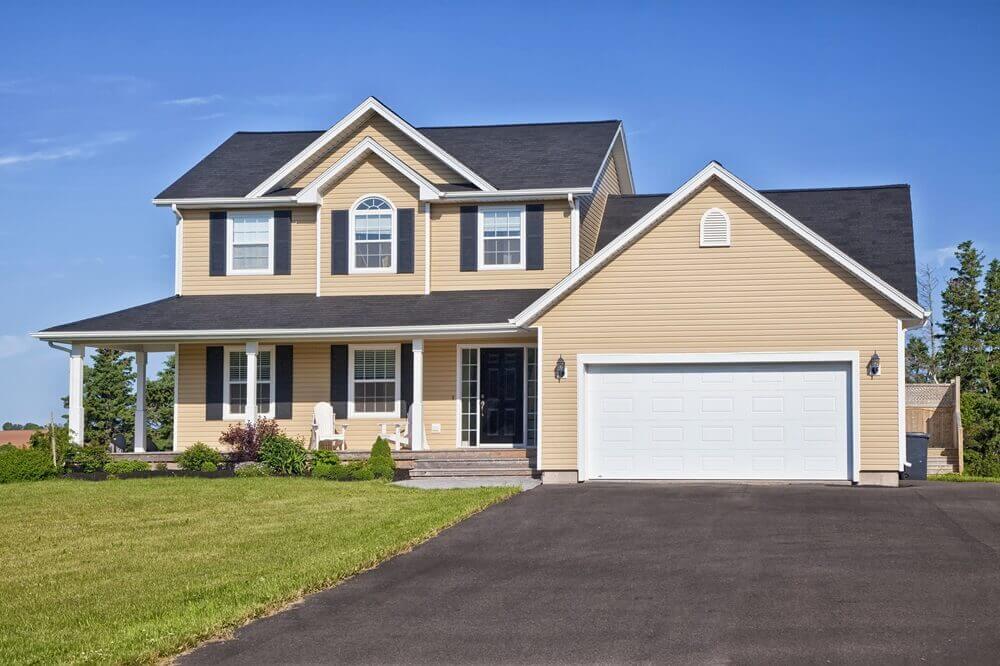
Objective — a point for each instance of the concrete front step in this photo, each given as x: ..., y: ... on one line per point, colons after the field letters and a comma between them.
x: 460, y: 464
x: 469, y: 471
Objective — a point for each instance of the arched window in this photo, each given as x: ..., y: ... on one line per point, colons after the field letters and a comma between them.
x: 373, y: 231
x: 715, y: 228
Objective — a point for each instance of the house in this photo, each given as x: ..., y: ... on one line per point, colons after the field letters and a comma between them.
x: 507, y: 288
x: 19, y: 438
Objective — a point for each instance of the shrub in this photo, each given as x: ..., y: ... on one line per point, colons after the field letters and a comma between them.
x: 977, y: 464
x: 284, y: 455
x: 40, y: 440
x: 381, y: 463
x: 208, y: 466
x: 194, y: 458
x: 88, y: 458
x: 325, y: 470
x: 247, y: 438
x: 361, y: 471
x: 24, y: 464
x: 251, y: 470
x: 161, y: 467
x: 119, y: 467
x: 328, y: 457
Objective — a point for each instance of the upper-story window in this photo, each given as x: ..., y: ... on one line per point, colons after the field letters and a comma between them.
x: 501, y: 237
x: 251, y: 243
x: 373, y: 231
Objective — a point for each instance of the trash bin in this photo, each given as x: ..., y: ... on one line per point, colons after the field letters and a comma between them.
x: 916, y: 455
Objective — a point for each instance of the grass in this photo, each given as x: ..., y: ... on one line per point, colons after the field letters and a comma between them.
x: 963, y: 478
x: 132, y: 570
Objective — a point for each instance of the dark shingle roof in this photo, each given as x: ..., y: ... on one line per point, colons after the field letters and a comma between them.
x: 872, y: 225
x: 516, y: 157
x: 291, y: 311
x: 241, y: 163
x: 507, y: 156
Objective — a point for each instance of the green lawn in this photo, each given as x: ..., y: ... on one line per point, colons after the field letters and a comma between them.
x: 126, y: 571
x: 961, y: 478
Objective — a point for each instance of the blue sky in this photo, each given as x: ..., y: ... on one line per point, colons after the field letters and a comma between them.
x: 103, y: 106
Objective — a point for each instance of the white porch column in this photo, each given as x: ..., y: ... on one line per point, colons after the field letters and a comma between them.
x: 140, y: 401
x: 417, y: 408
x: 251, y: 410
x: 76, y: 394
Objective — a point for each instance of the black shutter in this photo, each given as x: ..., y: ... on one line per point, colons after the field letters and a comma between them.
x: 404, y: 245
x: 213, y: 383
x: 284, y: 381
x: 217, y: 242
x: 282, y: 242
x: 468, y: 232
x: 339, y: 247
x: 338, y: 380
x: 535, y: 241
x: 405, y: 378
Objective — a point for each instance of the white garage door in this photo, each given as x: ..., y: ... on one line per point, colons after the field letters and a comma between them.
x: 718, y: 421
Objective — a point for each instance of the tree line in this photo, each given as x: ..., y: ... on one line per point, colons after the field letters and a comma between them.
x: 964, y: 343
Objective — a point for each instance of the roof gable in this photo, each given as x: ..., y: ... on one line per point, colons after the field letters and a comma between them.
x: 659, y: 211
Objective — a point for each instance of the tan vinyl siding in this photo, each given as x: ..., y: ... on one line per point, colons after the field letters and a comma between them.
x: 311, y: 377
x: 372, y: 176
x: 769, y: 291
x: 389, y: 137
x: 446, y: 274
x: 590, y: 223
x: 195, y: 250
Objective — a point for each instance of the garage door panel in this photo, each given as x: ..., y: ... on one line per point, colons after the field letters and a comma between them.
x: 733, y: 421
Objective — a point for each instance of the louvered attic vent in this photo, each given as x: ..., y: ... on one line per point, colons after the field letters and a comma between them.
x: 715, y: 228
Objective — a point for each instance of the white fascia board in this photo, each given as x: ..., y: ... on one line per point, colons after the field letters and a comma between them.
x: 370, y: 104
x: 311, y: 195
x: 506, y: 195
x: 92, y: 337
x: 617, y: 145
x: 228, y: 202
x: 640, y: 227
x: 627, y: 162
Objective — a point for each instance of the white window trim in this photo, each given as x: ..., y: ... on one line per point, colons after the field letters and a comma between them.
x: 227, y: 415
x: 270, y: 244
x: 458, y: 394
x: 351, y: 413
x: 729, y: 230
x: 481, y: 240
x: 351, y: 268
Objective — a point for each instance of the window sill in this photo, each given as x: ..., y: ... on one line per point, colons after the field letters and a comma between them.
x: 249, y: 272
x: 501, y: 267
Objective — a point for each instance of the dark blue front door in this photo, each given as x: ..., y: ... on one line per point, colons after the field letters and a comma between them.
x: 501, y: 399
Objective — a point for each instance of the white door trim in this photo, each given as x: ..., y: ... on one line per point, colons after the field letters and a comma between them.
x: 584, y: 360
x: 458, y: 392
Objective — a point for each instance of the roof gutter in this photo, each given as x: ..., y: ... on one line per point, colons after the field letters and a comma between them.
x: 278, y: 333
x: 509, y: 195
x: 229, y: 202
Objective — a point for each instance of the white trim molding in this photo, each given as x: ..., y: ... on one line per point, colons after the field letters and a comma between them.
x: 369, y: 105
x: 901, y: 391
x: 311, y: 193
x: 396, y: 380
x: 671, y: 203
x: 478, y: 346
x: 230, y: 241
x: 522, y: 238
x: 854, y: 387
x: 574, y: 232
x: 178, y: 251
x: 352, y: 239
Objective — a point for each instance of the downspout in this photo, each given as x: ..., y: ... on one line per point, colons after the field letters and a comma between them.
x: 67, y: 350
x: 178, y: 242
x: 574, y: 244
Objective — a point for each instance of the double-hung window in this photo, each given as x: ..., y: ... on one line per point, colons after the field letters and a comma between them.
x: 251, y: 243
x: 374, y: 381
x: 235, y: 387
x: 373, y: 230
x: 501, y: 237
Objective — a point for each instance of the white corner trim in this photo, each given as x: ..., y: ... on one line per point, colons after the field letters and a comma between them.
x: 370, y: 104
x: 627, y: 163
x: 640, y: 227
x: 311, y: 194
x: 574, y: 237
x: 851, y: 357
x: 427, y: 248
x: 319, y: 244
x: 178, y: 251
x: 539, y: 403
x: 177, y: 377
x: 901, y: 390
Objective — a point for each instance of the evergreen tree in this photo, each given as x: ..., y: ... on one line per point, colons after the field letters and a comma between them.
x: 919, y: 367
x: 962, y: 348
x: 991, y: 326
x: 160, y: 405
x: 108, y: 397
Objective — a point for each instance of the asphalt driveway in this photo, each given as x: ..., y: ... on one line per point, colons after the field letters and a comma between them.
x: 670, y: 573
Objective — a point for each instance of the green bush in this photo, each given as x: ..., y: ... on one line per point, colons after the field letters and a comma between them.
x: 251, y: 470
x: 381, y: 463
x: 119, y: 467
x: 328, y: 457
x: 194, y: 458
x: 361, y: 471
x: 88, y: 458
x: 977, y: 464
x: 284, y: 455
x: 208, y: 466
x: 325, y: 470
x: 24, y: 464
x: 161, y: 467
x: 40, y: 440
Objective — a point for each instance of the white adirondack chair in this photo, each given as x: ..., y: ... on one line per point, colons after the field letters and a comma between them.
x: 324, y: 428
x: 400, y: 437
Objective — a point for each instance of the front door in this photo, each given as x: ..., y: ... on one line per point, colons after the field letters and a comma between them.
x: 501, y: 396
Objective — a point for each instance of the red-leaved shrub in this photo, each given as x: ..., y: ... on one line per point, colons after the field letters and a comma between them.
x: 245, y: 439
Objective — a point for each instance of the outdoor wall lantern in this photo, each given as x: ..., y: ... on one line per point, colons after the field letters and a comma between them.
x: 874, y: 365
x: 560, y: 369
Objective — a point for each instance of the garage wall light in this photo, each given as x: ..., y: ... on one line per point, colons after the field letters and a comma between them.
x: 560, y: 371
x: 874, y: 365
